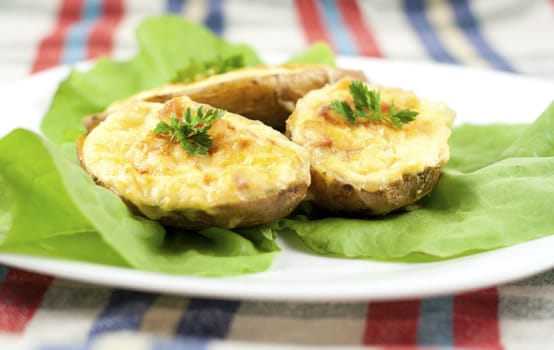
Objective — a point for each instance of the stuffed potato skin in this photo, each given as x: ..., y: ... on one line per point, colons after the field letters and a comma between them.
x: 227, y: 187
x: 265, y: 93
x: 370, y: 167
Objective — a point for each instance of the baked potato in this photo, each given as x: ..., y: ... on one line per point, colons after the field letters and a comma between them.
x: 370, y: 167
x: 226, y: 187
x: 266, y: 93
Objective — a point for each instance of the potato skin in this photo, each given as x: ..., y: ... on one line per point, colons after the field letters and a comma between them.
x: 266, y: 93
x: 389, y: 176
x: 266, y: 207
x: 243, y: 214
x: 267, y: 97
x: 341, y: 197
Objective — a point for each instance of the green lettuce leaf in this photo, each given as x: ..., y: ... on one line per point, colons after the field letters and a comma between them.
x: 50, y: 207
x: 475, y: 146
x: 319, y: 52
x: 496, y: 192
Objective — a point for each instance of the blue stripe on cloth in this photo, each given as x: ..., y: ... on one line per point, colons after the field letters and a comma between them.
x: 174, y: 6
x: 76, y: 40
x: 214, y: 20
x: 337, y: 30
x: 3, y: 272
x: 415, y: 10
x: 207, y: 318
x: 124, y: 311
x: 180, y: 343
x: 470, y: 27
x: 435, y: 321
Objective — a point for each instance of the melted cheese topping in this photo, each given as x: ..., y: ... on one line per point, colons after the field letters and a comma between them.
x: 247, y: 160
x: 367, y: 154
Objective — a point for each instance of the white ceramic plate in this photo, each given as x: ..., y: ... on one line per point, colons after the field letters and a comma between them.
x: 479, y: 96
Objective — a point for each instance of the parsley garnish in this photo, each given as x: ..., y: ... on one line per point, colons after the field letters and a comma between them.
x: 367, y: 104
x: 198, y: 70
x: 192, y: 129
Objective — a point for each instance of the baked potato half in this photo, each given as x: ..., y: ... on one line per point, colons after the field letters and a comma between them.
x: 266, y: 93
x: 370, y: 167
x: 226, y: 187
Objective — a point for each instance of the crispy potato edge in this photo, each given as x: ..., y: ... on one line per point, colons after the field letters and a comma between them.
x: 341, y: 197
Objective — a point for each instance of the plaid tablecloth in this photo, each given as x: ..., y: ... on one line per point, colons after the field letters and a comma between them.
x: 42, y: 312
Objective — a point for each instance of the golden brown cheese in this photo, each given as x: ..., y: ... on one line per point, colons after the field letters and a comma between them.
x: 368, y: 155
x: 247, y: 162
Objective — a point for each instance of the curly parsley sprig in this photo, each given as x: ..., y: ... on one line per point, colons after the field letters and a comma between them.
x: 367, y: 104
x: 191, y: 130
x: 202, y: 69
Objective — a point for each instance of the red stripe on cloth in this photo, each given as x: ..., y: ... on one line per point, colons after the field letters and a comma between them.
x: 361, y: 32
x: 20, y: 296
x: 100, y: 41
x: 310, y: 19
x: 392, y: 323
x: 50, y: 48
x: 475, y: 320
